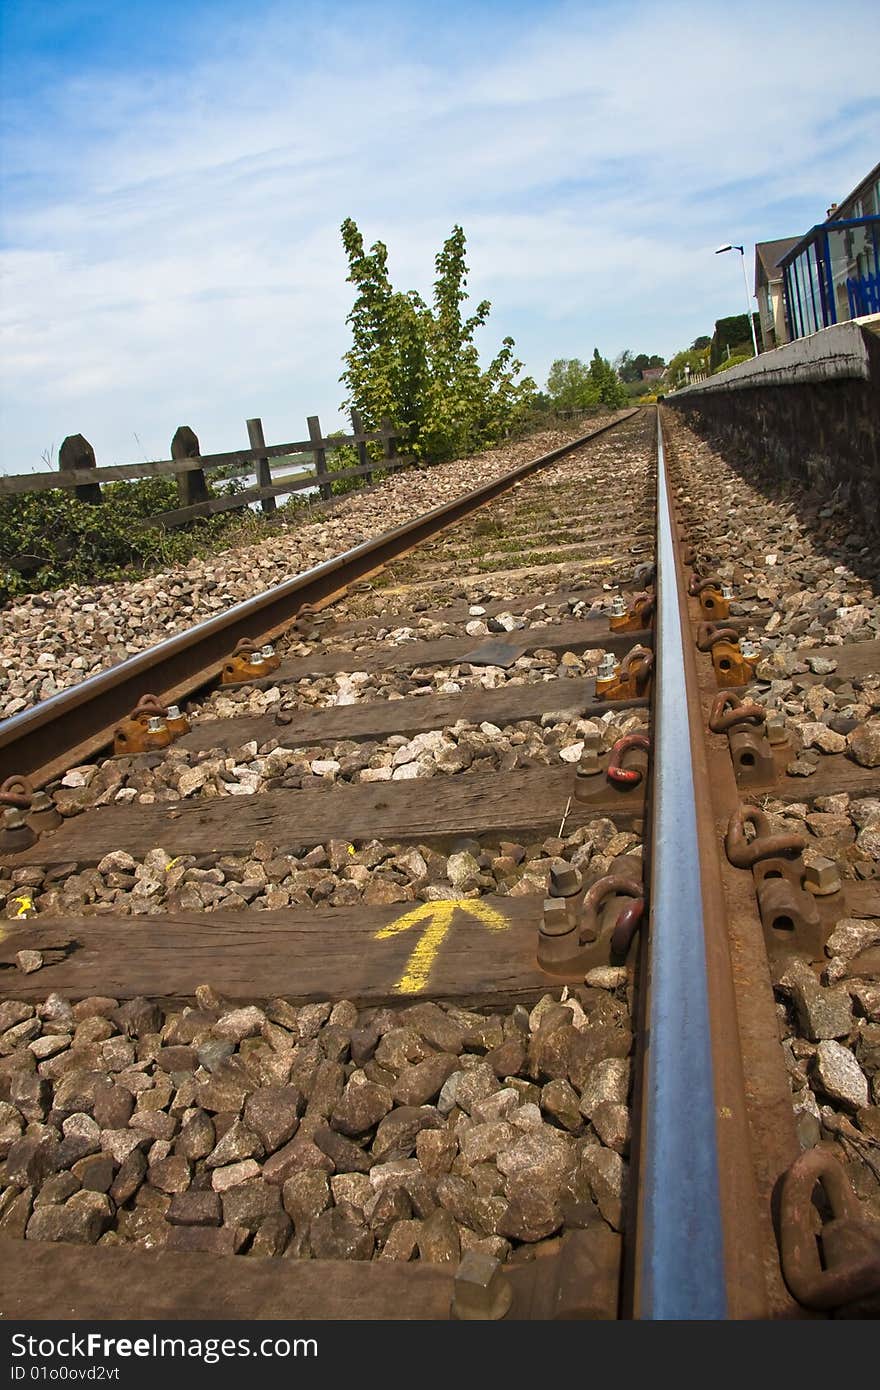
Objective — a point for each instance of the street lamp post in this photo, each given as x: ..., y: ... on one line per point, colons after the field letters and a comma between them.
x: 742, y: 252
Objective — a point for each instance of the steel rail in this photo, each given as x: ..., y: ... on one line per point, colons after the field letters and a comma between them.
x: 680, y: 1267
x: 42, y: 741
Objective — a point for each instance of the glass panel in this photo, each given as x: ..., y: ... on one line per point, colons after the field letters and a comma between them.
x: 805, y: 282
x: 798, y: 298
x: 816, y: 265
x: 852, y: 261
x: 791, y: 308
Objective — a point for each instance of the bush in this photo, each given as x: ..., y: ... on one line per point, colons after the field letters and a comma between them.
x: 733, y: 360
x: 733, y: 333
x: 61, y: 540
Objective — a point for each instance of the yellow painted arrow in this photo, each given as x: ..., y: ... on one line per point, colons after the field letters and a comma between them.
x: 437, y: 917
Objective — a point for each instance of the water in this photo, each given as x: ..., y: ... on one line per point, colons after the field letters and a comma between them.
x: 251, y: 481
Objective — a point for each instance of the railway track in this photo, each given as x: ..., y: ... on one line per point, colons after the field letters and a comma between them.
x: 439, y: 955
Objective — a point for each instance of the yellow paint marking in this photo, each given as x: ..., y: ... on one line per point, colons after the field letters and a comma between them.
x: 437, y: 917
x: 25, y: 904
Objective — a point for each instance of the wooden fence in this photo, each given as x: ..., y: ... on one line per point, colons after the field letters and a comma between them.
x: 77, y: 469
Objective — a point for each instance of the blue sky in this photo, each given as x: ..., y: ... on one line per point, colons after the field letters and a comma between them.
x: 174, y: 177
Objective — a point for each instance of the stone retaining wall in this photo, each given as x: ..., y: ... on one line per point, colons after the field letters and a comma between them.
x: 809, y: 411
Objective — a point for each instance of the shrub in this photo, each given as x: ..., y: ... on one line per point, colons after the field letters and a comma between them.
x: 58, y: 539
x: 733, y: 360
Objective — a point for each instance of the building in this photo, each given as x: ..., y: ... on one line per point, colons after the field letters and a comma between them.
x: 653, y: 373
x: 833, y: 273
x: 769, y: 290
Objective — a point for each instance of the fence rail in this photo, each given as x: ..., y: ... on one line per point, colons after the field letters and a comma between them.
x: 78, y: 468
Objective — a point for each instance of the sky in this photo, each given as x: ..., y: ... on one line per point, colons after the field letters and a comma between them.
x: 174, y: 175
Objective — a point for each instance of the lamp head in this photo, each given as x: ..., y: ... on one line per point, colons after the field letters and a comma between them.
x: 723, y: 248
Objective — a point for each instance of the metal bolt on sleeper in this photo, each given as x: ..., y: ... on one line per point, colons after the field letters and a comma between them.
x: 557, y: 918
x: 822, y: 877
x: 481, y: 1292
x: 564, y: 879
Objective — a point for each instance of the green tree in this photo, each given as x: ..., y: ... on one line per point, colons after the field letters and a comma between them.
x: 700, y: 343
x: 696, y: 359
x: 419, y: 365
x: 570, y: 386
x: 630, y: 368
x: 605, y: 381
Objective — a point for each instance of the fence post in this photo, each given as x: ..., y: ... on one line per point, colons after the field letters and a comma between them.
x: 191, y: 485
x: 263, y: 471
x: 389, y: 447
x: 320, y: 456
x: 357, y: 426
x: 76, y: 452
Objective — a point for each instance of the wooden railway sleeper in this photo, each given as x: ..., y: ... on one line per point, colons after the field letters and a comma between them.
x: 734, y: 661
x: 841, y: 1267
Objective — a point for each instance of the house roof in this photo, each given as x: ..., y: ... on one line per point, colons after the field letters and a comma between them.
x: 863, y: 183
x: 768, y: 254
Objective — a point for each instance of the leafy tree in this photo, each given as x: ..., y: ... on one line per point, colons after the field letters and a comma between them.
x: 624, y: 365
x: 700, y: 343
x: 630, y: 368
x: 418, y: 364
x: 605, y: 382
x: 696, y: 359
x: 570, y: 386
x: 733, y: 333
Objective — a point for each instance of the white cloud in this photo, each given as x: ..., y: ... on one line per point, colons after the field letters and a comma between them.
x: 181, y: 259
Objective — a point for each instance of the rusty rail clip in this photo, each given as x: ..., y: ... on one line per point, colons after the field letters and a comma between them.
x: 145, y: 730
x: 850, y: 1244
x: 16, y: 791
x: 626, y: 776
x: 710, y: 634
x: 714, y: 602
x: 732, y: 665
x: 750, y: 747
x: 743, y: 853
x: 728, y: 710
x: 595, y: 897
